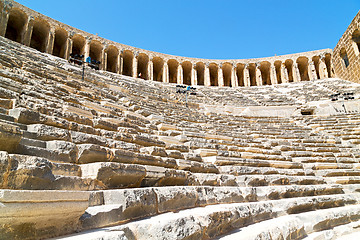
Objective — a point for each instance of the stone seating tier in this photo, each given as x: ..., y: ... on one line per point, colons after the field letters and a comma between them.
x: 125, y: 152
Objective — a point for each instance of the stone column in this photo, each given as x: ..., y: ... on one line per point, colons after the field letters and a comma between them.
x: 258, y: 75
x: 26, y: 38
x: 273, y: 76
x: 207, y: 75
x: 247, y: 82
x: 3, y: 21
x: 103, y: 59
x: 165, y: 75
x: 220, y: 76
x: 134, y: 66
x: 68, y: 48
x: 322, y: 68
x: 50, y: 41
x: 105, y: 62
x: 120, y: 63
x: 296, y: 72
x: 193, y: 75
x: 312, y: 71
x: 87, y: 49
x: 284, y: 74
x: 234, y: 80
x: 150, y: 72
x: 179, y: 75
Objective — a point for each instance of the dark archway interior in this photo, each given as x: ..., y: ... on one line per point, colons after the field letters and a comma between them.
x: 277, y: 65
x: 200, y: 72
x: 227, y: 69
x: 303, y: 63
x: 112, y: 59
x: 59, y: 48
x: 15, y: 28
x: 240, y: 74
x: 40, y: 35
x: 173, y: 68
x: 289, y: 69
x: 187, y: 66
x: 265, y: 73
x: 127, y: 63
x: 142, y: 66
x: 252, y: 74
x: 158, y: 65
x: 316, y: 61
x: 213, y: 69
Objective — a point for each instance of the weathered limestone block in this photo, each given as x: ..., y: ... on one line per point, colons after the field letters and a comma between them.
x: 181, y: 148
x: 78, y: 111
x: 170, y: 140
x: 218, y: 137
x: 47, y: 133
x: 147, y: 141
x: 40, y: 214
x: 175, y: 198
x: 80, y: 137
x: 206, y: 152
x: 10, y: 136
x: 6, y: 103
x: 198, y: 167
x: 136, y: 116
x: 65, y: 150
x: 114, y: 175
x: 27, y: 172
x: 25, y: 116
x: 174, y: 178
x: 89, y: 153
x: 192, y: 157
x: 154, y: 151
x: 174, y: 154
x: 104, y: 124
x: 165, y: 127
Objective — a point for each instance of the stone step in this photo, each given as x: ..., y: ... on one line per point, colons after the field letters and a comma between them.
x: 344, y: 232
x: 298, y: 226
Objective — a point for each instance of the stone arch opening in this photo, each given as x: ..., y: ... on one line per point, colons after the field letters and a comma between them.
x: 15, y: 28
x: 112, y: 54
x: 356, y: 38
x: 252, y: 74
x: 303, y: 63
x: 40, y: 35
x: 60, y: 39
x: 200, y: 73
x: 95, y: 50
x: 289, y: 69
x: 78, y: 46
x: 329, y: 69
x: 187, y: 66
x: 316, y: 61
x: 240, y: 74
x: 213, y: 70
x: 128, y: 58
x: 343, y: 56
x: 173, y: 69
x: 277, y: 65
x: 265, y: 72
x: 227, y: 70
x: 158, y: 65
x: 142, y: 66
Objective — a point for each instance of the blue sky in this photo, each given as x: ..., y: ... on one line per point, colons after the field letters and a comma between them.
x: 213, y: 29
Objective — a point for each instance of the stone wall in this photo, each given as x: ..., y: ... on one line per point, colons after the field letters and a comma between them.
x: 33, y: 29
x: 346, y: 58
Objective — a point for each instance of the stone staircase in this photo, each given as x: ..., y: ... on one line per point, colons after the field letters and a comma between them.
x: 129, y: 160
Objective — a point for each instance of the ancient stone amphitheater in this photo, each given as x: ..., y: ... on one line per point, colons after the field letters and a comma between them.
x: 266, y: 149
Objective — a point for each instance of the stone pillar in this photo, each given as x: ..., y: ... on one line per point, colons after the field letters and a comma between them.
x: 150, y: 72
x: 179, y: 75
x: 105, y: 62
x: 87, y: 49
x: 296, y: 72
x: 193, y: 75
x: 258, y: 75
x: 120, y: 63
x: 207, y: 75
x: 246, y: 76
x: 68, y: 48
x: 312, y: 71
x: 134, y: 66
x: 3, y: 21
x: 234, y: 81
x: 165, y: 75
x: 322, y: 68
x: 220, y: 77
x: 284, y: 74
x: 273, y: 76
x: 50, y: 41
x: 28, y: 32
x: 103, y: 59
